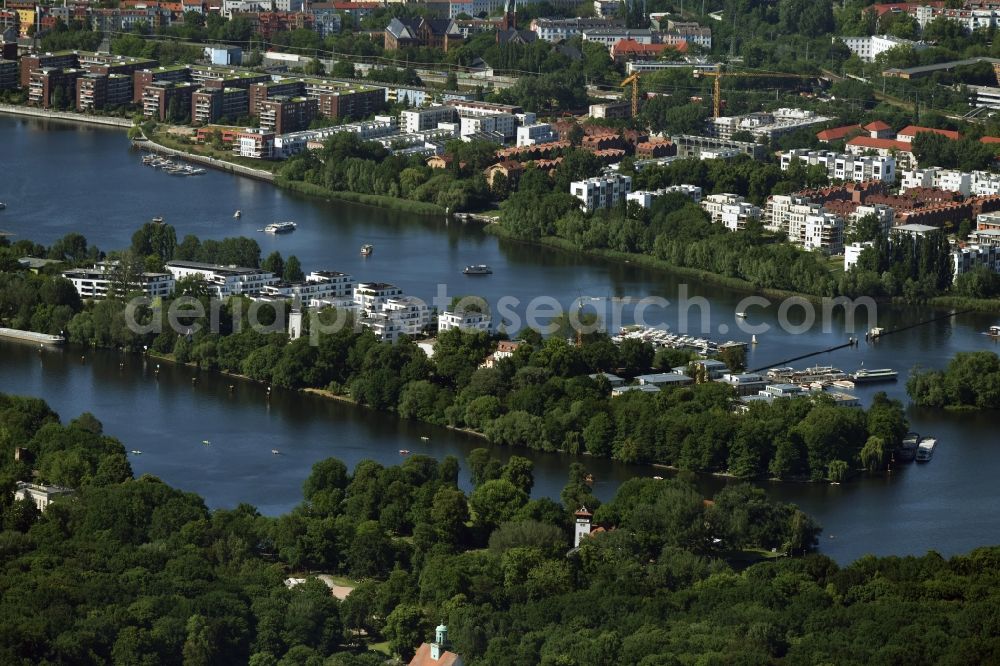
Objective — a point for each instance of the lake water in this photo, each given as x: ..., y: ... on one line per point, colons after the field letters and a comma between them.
x: 64, y: 177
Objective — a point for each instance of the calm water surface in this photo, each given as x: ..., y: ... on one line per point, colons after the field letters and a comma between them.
x: 63, y: 177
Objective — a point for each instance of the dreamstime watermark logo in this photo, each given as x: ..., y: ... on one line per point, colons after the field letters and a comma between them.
x: 390, y: 315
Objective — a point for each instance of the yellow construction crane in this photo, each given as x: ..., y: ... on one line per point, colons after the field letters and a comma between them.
x: 717, y: 84
x: 634, y: 81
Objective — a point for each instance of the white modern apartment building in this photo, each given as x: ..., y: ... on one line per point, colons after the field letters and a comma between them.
x: 535, y: 133
x: 766, y: 124
x: 371, y: 297
x: 501, y: 124
x: 417, y: 120
x: 412, y: 313
x: 867, y: 48
x: 852, y: 251
x: 966, y: 183
x: 103, y: 279
x: 466, y: 320
x: 806, y: 224
x: 318, y: 286
x: 883, y: 213
x: 224, y: 281
x: 645, y: 198
x: 730, y: 210
x: 970, y: 257
x: 602, y: 191
x: 845, y: 166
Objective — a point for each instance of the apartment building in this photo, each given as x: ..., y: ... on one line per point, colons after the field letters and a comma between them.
x: 224, y: 281
x: 319, y: 286
x: 283, y: 115
x: 974, y: 183
x: 104, y: 279
x: 103, y: 91
x: 501, y: 125
x: 605, y: 191
x: 8, y: 74
x: 37, y: 61
x: 475, y: 108
x: 645, y: 198
x: 348, y: 101
x: 254, y: 143
x: 730, y: 210
x: 971, y: 257
x: 47, y: 85
x: 558, y: 30
x: 845, y: 166
x: 535, y: 133
x: 160, y: 100
x: 869, y: 47
x: 690, y: 145
x: 417, y: 120
x: 208, y: 105
x: 144, y: 77
x: 466, y: 320
x: 765, y: 124
x: 261, y: 92
x: 103, y: 63
x: 371, y: 297
x: 808, y: 225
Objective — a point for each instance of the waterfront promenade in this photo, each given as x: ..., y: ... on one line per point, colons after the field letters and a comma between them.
x: 107, y: 121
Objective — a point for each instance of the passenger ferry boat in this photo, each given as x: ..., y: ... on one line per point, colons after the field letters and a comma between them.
x: 367, y: 249
x: 864, y: 376
x: 925, y: 450
x: 280, y: 228
x: 478, y: 269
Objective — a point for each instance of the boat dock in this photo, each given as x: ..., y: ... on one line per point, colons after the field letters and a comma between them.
x: 31, y: 336
x: 660, y: 338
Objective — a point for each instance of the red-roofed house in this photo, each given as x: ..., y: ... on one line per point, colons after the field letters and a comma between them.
x: 910, y: 132
x: 629, y: 49
x: 838, y: 133
x: 990, y: 139
x: 435, y: 654
x: 878, y: 130
x: 900, y: 150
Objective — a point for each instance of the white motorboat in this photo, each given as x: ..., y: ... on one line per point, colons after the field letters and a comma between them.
x: 280, y: 228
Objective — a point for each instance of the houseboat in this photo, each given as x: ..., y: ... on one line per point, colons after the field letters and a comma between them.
x: 864, y: 376
x: 908, y: 449
x: 925, y: 450
x: 478, y: 269
x: 280, y: 228
x: 367, y: 249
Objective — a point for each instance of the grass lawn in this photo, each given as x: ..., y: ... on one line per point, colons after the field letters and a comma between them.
x: 382, y: 647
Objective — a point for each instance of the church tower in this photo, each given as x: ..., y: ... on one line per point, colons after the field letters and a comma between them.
x: 440, y: 642
x: 583, y: 518
x: 509, y: 20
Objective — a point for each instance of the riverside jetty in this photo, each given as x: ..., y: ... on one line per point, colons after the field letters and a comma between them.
x: 31, y: 336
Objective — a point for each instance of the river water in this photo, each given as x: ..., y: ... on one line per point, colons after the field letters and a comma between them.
x: 64, y: 177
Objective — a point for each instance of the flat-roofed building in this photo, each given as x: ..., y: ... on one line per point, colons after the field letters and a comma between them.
x: 161, y: 100
x: 53, y: 87
x: 39, y: 494
x: 36, y: 61
x: 224, y: 281
x: 105, y: 279
x: 144, y: 77
x: 283, y: 115
x: 208, y: 105
x: 8, y: 74
x: 103, y: 91
x: 254, y: 143
x: 465, y: 320
x: 261, y: 92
